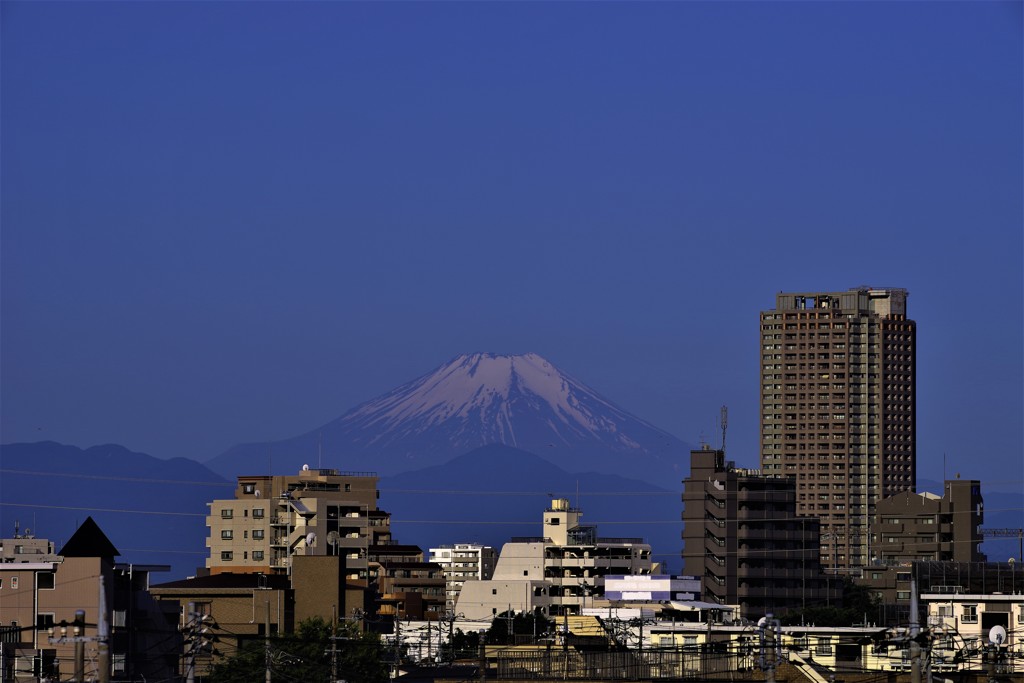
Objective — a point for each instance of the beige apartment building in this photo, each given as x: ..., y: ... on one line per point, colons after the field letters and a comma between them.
x: 272, y: 519
x: 838, y: 408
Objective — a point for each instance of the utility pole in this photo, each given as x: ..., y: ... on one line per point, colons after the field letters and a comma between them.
x: 103, y: 636
x: 190, y: 661
x: 915, y: 647
x: 334, y: 644
x: 266, y: 644
x: 79, y: 646
x: 483, y: 657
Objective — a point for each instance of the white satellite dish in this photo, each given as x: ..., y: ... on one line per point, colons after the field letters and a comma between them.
x: 305, y: 468
x: 997, y: 635
x: 257, y: 493
x: 310, y: 539
x: 333, y: 538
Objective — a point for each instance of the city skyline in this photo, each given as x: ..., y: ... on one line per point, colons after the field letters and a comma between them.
x: 226, y: 223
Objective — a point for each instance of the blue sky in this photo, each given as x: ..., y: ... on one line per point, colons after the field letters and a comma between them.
x: 227, y: 222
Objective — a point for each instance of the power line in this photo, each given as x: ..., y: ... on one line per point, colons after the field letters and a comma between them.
x: 140, y: 480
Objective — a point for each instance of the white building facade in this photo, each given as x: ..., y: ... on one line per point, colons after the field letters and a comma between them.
x: 561, y: 572
x: 463, y: 562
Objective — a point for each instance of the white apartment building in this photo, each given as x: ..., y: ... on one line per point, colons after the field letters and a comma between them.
x: 463, y: 562
x: 561, y: 572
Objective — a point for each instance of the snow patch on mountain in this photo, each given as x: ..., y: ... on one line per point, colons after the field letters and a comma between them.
x: 484, y: 389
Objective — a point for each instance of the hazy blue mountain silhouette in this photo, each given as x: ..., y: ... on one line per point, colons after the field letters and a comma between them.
x: 471, y: 401
x: 51, y: 488
x: 495, y: 492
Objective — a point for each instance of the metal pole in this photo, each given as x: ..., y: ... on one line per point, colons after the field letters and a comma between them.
x: 266, y: 644
x: 915, y: 647
x: 334, y: 644
x: 103, y: 636
x: 483, y: 657
x: 190, y: 657
x: 79, y: 646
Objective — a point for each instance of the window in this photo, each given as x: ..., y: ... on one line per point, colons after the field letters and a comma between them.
x: 45, y: 581
x: 120, y: 618
x: 44, y: 620
x: 553, y: 521
x: 249, y: 488
x: 257, y: 555
x: 257, y: 513
x: 494, y: 591
x: 257, y: 534
x: 227, y: 534
x: 970, y: 614
x: 226, y: 556
x: 227, y: 513
x: 14, y: 582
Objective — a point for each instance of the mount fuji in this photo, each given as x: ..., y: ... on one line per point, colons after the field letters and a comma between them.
x: 475, y: 400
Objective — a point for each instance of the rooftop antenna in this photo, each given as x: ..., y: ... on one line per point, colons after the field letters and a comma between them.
x: 724, y: 421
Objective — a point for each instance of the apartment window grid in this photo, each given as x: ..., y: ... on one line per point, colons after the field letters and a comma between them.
x: 832, y: 408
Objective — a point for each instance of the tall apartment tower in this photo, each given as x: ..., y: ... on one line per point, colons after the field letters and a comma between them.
x: 837, y: 408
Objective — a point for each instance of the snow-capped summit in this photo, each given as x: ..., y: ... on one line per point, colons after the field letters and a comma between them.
x: 487, y: 395
x: 478, y: 399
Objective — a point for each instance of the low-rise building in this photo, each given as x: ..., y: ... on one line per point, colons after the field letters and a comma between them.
x: 561, y: 572
x: 969, y: 629
x: 40, y: 591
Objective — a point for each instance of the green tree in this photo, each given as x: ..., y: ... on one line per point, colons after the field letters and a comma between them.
x: 507, y: 625
x: 463, y: 646
x: 857, y: 601
x: 306, y: 656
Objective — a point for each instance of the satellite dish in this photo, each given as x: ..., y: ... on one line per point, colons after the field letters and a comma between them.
x: 762, y: 622
x: 305, y: 468
x: 333, y: 538
x: 997, y: 635
x: 257, y: 493
x: 311, y: 539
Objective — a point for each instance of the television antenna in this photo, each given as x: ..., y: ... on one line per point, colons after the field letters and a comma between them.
x: 724, y: 422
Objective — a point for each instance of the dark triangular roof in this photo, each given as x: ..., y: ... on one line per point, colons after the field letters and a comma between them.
x: 89, y: 541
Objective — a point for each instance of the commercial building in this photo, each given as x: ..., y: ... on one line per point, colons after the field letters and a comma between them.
x: 271, y: 519
x: 838, y: 405
x: 463, y: 562
x: 560, y: 572
x: 742, y: 536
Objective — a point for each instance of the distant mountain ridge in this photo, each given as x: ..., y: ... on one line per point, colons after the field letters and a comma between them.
x: 152, y: 510
x: 474, y: 400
